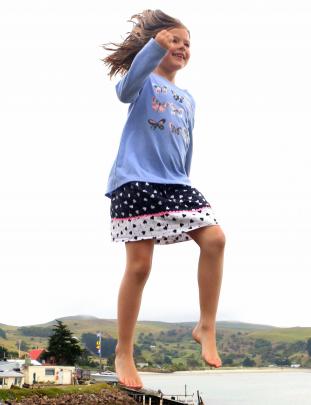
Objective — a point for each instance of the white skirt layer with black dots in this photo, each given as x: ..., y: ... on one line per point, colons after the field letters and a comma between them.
x: 163, y: 212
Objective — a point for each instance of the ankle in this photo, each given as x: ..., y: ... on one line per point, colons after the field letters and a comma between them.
x: 207, y: 325
x: 121, y: 351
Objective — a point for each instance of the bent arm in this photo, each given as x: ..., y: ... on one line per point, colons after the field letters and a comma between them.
x: 189, y: 156
x: 190, y: 147
x: 146, y: 60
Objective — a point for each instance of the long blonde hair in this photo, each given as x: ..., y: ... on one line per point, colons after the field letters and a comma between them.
x: 147, y: 25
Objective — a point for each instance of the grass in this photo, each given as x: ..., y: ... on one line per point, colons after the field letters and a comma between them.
x: 288, y: 335
x: 52, y: 392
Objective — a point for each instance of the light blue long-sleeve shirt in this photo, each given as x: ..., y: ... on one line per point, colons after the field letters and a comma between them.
x: 156, y: 142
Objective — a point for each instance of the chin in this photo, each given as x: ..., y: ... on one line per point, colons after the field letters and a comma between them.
x: 181, y: 66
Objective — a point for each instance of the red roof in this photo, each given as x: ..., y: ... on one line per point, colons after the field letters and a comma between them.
x: 35, y: 354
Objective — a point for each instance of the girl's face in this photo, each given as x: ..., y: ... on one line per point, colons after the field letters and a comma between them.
x: 178, y: 55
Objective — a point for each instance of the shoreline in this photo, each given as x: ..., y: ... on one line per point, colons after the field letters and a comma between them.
x: 232, y: 370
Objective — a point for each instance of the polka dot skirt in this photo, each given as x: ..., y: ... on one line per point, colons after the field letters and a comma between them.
x: 164, y: 212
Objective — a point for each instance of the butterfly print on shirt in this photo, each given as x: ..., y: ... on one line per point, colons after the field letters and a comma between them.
x: 157, y: 124
x: 177, y: 97
x: 160, y: 89
x: 175, y: 110
x: 180, y: 131
x: 175, y: 130
x: 158, y: 106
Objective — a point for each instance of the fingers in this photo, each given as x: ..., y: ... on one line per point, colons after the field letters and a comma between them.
x: 164, y: 38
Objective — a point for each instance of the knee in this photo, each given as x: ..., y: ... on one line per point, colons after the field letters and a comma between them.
x: 216, y: 243
x: 139, y: 269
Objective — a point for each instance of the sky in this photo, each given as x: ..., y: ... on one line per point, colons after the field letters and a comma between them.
x: 60, y: 130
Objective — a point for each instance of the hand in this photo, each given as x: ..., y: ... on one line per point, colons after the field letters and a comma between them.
x: 165, y: 39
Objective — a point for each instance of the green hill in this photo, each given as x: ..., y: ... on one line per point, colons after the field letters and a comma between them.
x: 167, y: 344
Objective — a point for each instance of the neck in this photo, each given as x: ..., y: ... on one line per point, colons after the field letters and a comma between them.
x: 170, y: 76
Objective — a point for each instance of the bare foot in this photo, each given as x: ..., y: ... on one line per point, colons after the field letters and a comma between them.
x: 126, y: 371
x: 206, y: 336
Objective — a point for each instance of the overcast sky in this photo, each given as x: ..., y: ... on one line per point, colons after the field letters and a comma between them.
x: 60, y: 129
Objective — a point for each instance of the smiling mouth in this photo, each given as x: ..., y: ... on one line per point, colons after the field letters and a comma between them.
x: 179, y: 56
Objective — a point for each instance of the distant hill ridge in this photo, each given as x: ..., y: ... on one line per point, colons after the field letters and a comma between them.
x: 93, y: 319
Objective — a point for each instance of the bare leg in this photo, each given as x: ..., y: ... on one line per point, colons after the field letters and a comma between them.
x: 211, y: 240
x: 139, y: 260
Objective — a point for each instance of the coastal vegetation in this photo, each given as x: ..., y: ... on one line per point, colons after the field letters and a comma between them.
x: 100, y: 393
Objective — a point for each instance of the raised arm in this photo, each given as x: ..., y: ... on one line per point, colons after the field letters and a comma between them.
x: 146, y: 60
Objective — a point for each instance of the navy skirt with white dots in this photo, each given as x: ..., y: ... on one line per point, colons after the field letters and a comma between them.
x: 163, y: 212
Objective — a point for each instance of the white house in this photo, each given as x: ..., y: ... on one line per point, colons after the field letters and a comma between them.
x: 22, y: 362
x: 49, y: 374
x: 142, y: 365
x: 9, y: 378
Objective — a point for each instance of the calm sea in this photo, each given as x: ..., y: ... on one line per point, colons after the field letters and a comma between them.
x: 284, y: 387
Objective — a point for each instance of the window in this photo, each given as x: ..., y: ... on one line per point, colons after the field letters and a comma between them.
x: 17, y: 381
x: 49, y: 371
x: 3, y: 381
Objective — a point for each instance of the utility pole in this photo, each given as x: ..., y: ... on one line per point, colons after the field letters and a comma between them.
x: 99, y: 349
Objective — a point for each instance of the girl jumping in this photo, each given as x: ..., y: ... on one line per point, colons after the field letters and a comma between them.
x: 152, y: 199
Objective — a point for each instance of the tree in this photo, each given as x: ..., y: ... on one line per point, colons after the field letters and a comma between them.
x: 86, y: 360
x: 227, y: 360
x: 2, y: 333
x: 22, y: 345
x: 62, y: 346
x: 282, y: 362
x: 167, y: 360
x: 110, y: 360
x: 3, y: 352
x: 37, y: 331
x: 309, y: 347
x: 247, y: 362
x: 192, y: 362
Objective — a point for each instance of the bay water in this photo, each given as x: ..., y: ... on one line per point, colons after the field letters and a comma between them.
x: 237, y: 387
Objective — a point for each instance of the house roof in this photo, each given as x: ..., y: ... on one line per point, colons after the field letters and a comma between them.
x: 8, y: 373
x: 8, y: 366
x: 21, y: 362
x: 35, y: 354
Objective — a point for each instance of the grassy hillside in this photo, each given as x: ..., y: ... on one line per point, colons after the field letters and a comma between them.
x: 87, y: 324
x: 283, y: 334
x: 167, y: 343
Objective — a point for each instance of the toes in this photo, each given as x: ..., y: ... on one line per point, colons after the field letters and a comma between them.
x: 131, y: 383
x: 216, y: 363
x: 121, y: 381
x: 125, y: 381
x: 136, y: 384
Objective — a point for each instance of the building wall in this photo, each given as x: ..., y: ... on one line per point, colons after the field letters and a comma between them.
x: 49, y: 374
x: 7, y: 382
